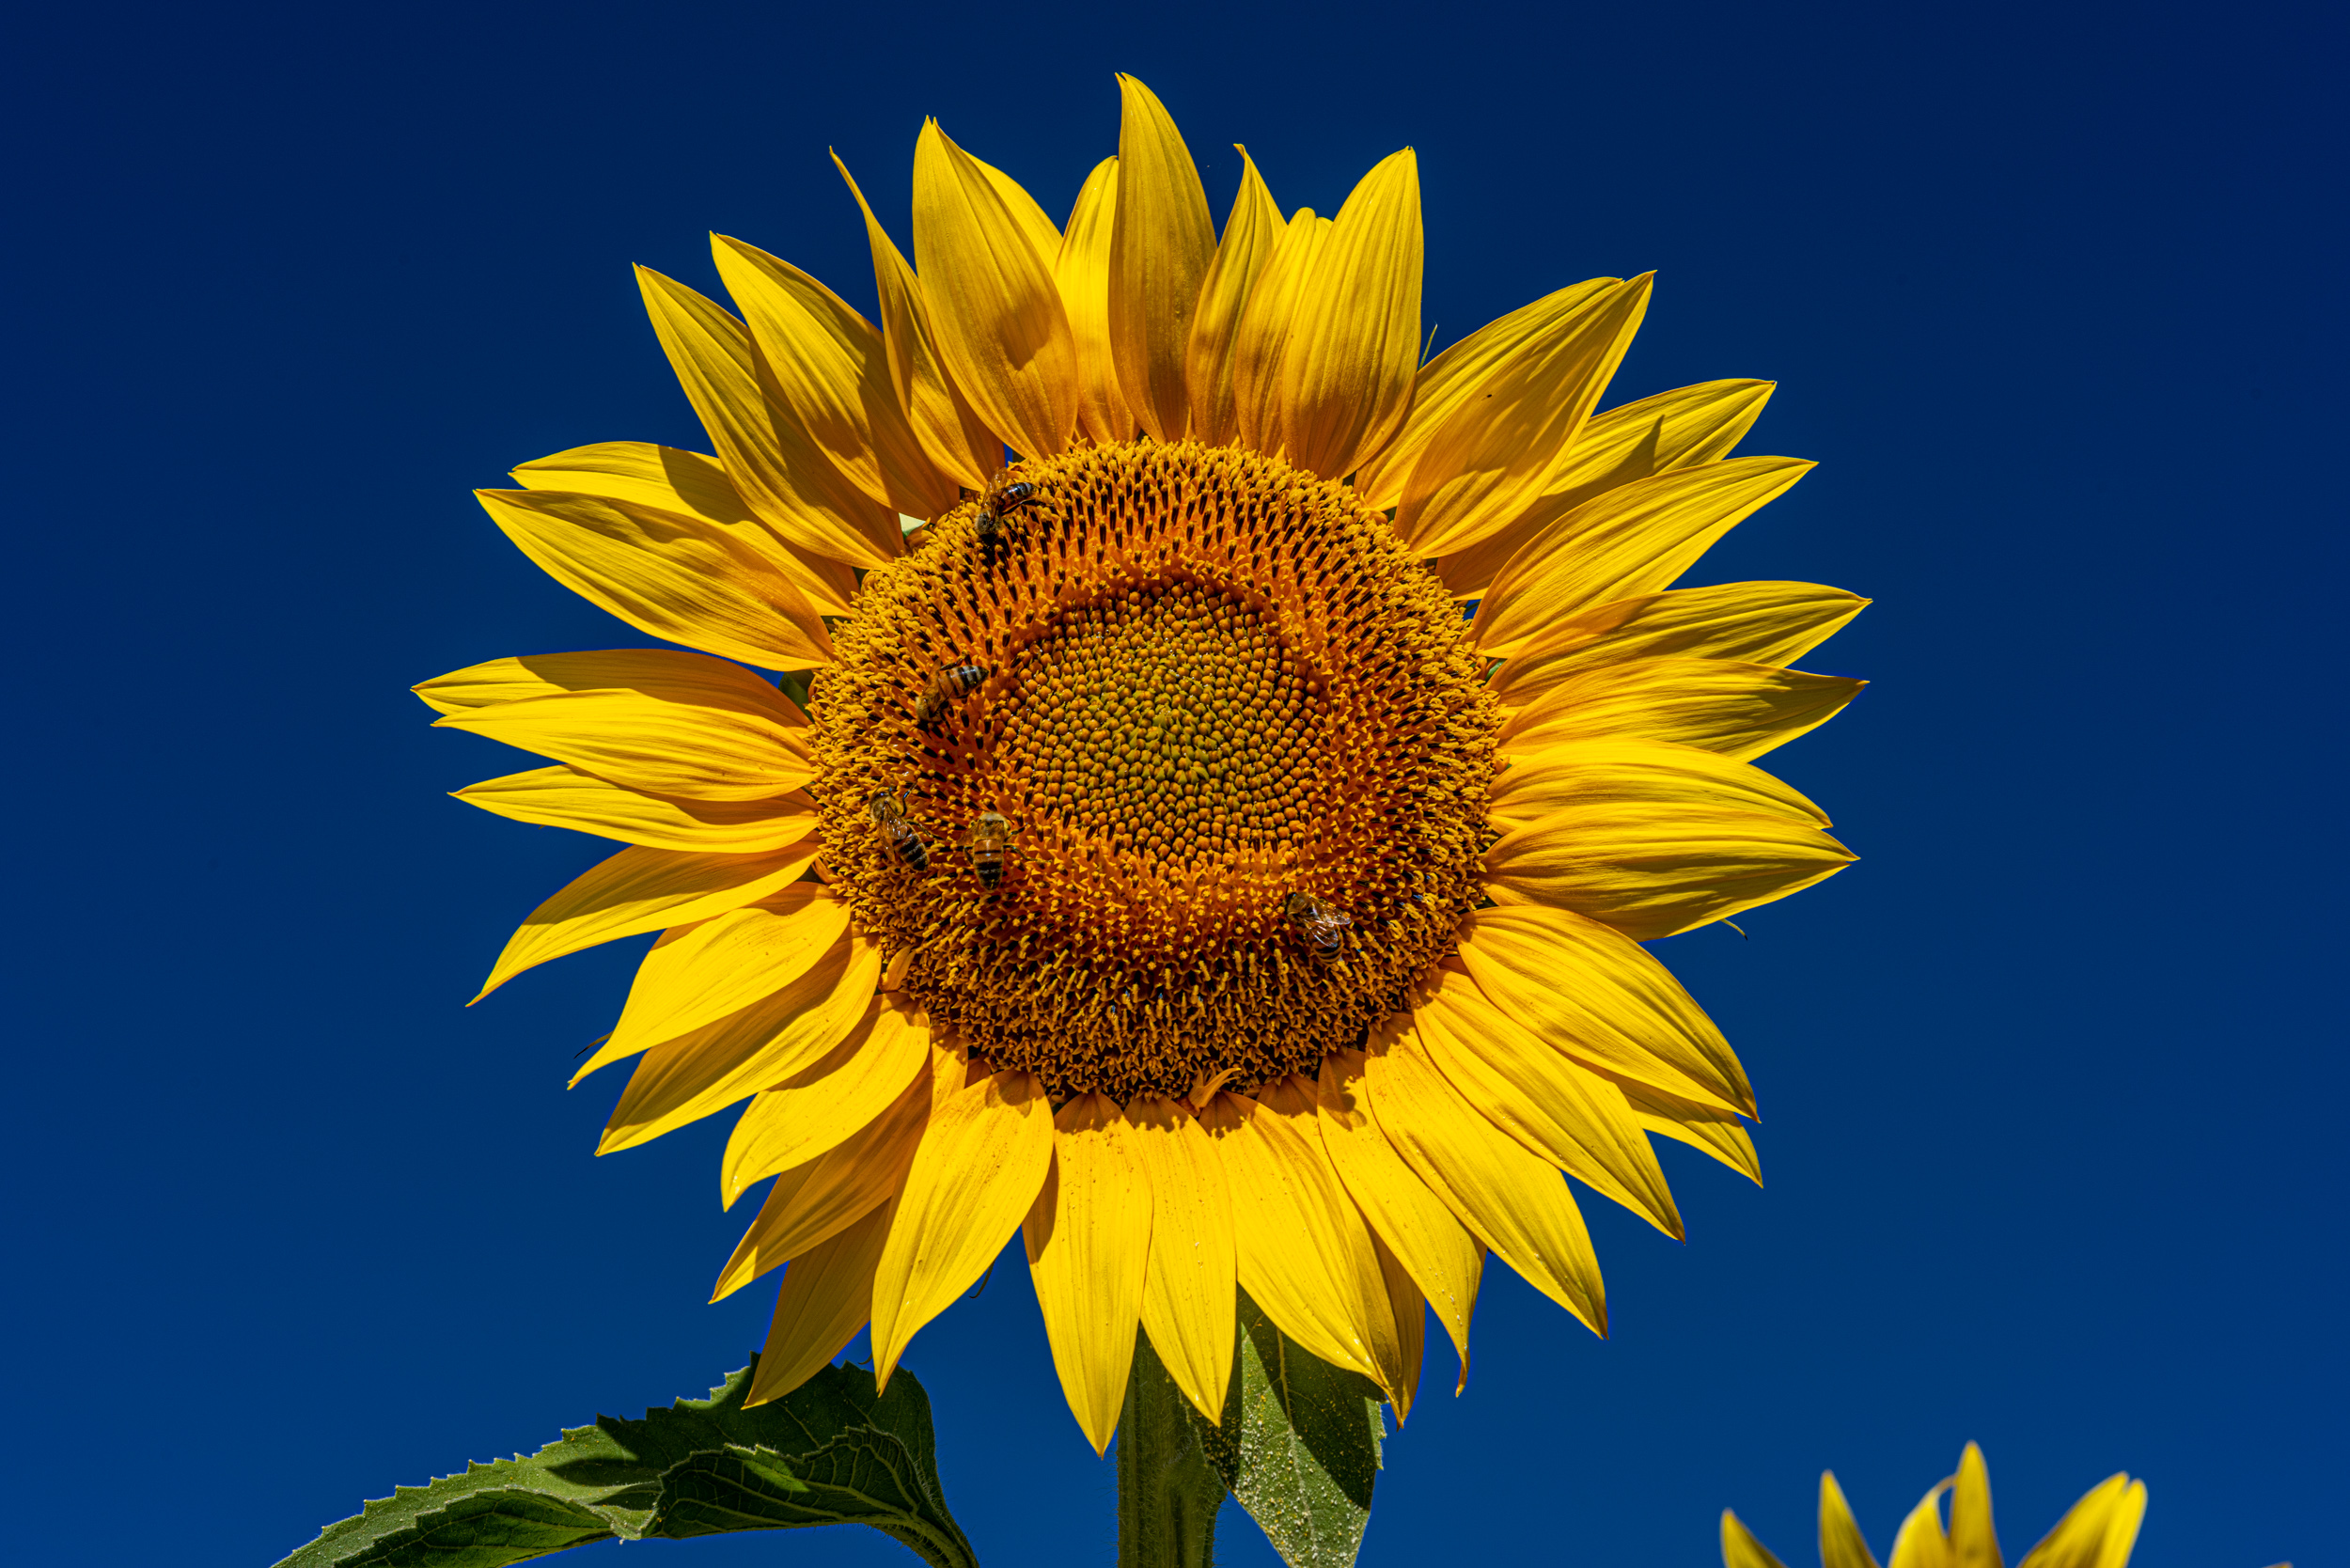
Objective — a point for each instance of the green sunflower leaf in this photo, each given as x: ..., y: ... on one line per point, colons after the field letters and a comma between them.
x: 832, y: 1451
x: 1299, y: 1445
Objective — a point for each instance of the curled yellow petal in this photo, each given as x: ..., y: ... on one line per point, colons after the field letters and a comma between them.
x: 827, y: 1297
x: 1251, y: 230
x: 1188, y: 1306
x: 1510, y: 1200
x: 664, y: 673
x: 1349, y: 331
x: 2095, y: 1532
x: 1502, y: 447
x: 1712, y: 1131
x: 1671, y: 430
x: 1740, y: 710
x: 669, y: 479
x: 1632, y: 539
x: 1565, y: 1113
x: 642, y: 889
x: 1444, y: 386
x: 698, y: 974
x: 1082, y: 271
x: 687, y: 1078
x: 823, y: 365
x: 773, y: 460
x: 1599, y: 996
x: 1655, y: 869
x: 1442, y: 1258
x: 1087, y: 1239
x: 982, y: 1163
x: 1763, y: 624
x: 685, y: 751
x: 565, y: 798
x: 1304, y: 1253
x: 1159, y: 257
x: 1920, y: 1543
x: 995, y: 309
x: 950, y: 431
x: 674, y: 576
x: 831, y: 1102
x: 818, y: 1199
x: 1618, y: 771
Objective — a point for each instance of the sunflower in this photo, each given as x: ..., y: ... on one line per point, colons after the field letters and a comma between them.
x: 2095, y: 1532
x: 1158, y: 858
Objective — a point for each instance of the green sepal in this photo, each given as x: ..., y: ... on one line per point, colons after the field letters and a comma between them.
x: 831, y: 1451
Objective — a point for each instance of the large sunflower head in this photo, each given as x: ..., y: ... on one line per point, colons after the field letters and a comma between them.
x: 1223, y: 772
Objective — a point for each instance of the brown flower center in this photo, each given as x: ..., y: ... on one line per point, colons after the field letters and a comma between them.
x: 1195, y: 682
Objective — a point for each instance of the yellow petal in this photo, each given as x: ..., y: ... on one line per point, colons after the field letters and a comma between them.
x: 1920, y: 1543
x: 1671, y: 430
x: 1655, y: 869
x: 2095, y: 1532
x: 1717, y: 1133
x: 1444, y: 384
x: 1509, y: 1199
x: 1082, y: 271
x: 565, y: 798
x: 1973, y: 1542
x: 645, y: 889
x: 1841, y: 1544
x: 697, y: 975
x: 1158, y: 260
x: 679, y: 747
x: 1599, y: 996
x: 774, y: 461
x: 982, y: 1163
x: 1352, y: 341
x: 1089, y: 1243
x: 1505, y: 445
x: 827, y: 377
x: 1410, y: 1311
x: 1250, y: 232
x: 1305, y: 1254
x: 1264, y: 337
x: 1621, y: 772
x: 1442, y: 1258
x: 1028, y: 213
x: 685, y: 1079
x: 1634, y: 539
x: 831, y: 1102
x: 957, y: 440
x: 1739, y: 710
x: 1740, y: 1549
x: 665, y: 673
x: 827, y: 1297
x: 1763, y: 624
x: 1189, y: 1307
x: 674, y: 576
x: 996, y: 312
x: 668, y: 479
x: 1567, y: 1114
x: 815, y: 1201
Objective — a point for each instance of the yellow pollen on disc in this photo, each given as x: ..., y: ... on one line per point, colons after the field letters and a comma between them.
x: 1211, y: 681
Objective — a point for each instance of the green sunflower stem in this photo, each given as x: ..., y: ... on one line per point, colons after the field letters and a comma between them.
x: 1167, y: 1491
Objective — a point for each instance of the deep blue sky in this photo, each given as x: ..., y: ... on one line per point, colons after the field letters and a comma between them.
x: 2052, y: 1079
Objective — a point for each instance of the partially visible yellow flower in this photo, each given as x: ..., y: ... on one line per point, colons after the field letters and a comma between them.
x: 1163, y: 865
x: 2097, y: 1533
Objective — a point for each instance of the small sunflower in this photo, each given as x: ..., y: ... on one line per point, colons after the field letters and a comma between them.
x: 2095, y: 1532
x: 1162, y: 862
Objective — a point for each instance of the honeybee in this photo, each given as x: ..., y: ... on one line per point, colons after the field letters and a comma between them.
x: 1318, y: 922
x: 989, y: 842
x: 998, y: 501
x: 891, y: 819
x: 951, y: 681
